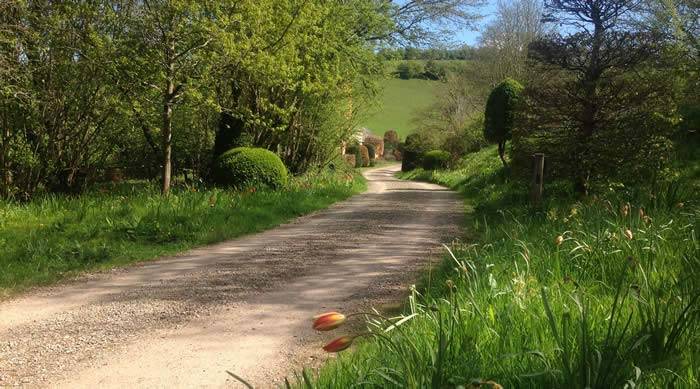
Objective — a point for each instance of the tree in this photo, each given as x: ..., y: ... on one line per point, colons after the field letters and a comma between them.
x: 516, y: 25
x: 583, y: 86
x: 164, y: 53
x: 500, y: 114
x: 421, y: 22
x: 58, y: 103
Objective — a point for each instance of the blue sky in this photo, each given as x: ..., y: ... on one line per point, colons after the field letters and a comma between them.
x: 471, y: 37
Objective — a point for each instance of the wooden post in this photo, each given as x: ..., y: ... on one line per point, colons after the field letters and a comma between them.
x: 537, y: 179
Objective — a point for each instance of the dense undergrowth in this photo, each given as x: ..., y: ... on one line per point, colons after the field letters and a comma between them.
x: 595, y: 293
x: 56, y: 236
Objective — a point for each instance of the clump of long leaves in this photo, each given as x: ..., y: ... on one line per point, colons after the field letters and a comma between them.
x: 598, y: 294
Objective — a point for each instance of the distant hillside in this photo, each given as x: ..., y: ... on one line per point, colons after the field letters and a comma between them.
x: 400, y: 101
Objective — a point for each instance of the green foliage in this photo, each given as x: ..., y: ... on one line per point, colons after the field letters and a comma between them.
x: 392, y: 137
x: 371, y: 151
x: 435, y: 70
x: 244, y: 167
x: 500, y: 111
x: 518, y: 307
x: 229, y: 135
x: 364, y: 155
x: 410, y: 69
x: 435, y: 159
x: 413, y: 149
x: 54, y: 237
x: 355, y: 150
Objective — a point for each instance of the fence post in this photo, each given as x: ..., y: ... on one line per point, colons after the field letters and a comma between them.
x: 537, y: 185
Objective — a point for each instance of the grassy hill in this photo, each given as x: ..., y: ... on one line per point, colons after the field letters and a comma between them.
x: 400, y: 101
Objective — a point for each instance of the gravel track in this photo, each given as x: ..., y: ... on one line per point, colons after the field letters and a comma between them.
x: 243, y: 305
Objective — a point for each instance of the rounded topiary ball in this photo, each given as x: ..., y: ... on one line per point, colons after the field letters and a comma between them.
x: 246, y: 166
x: 436, y: 159
x: 364, y: 153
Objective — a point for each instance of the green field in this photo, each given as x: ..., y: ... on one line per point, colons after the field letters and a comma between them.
x: 399, y: 103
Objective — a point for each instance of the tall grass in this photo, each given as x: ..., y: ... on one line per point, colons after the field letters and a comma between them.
x: 614, y: 302
x: 52, y: 237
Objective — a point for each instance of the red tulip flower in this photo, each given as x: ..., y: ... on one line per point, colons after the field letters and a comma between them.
x: 328, y: 321
x: 339, y: 344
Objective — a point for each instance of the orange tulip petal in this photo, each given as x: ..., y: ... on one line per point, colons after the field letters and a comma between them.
x: 328, y: 321
x: 338, y: 344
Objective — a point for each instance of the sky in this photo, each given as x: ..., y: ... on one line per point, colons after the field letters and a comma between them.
x: 471, y: 37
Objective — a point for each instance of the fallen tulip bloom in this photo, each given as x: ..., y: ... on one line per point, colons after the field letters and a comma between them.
x: 339, y: 344
x: 328, y: 321
x: 628, y: 234
x: 559, y: 240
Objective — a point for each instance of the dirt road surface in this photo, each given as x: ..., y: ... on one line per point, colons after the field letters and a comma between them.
x: 243, y: 305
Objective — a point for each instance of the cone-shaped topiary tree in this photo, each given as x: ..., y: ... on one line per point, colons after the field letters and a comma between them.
x: 500, y: 114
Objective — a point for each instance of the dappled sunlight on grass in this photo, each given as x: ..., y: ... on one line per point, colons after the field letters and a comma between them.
x: 601, y: 292
x: 50, y: 238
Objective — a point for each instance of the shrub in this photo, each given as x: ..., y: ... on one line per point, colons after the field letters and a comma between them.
x: 245, y: 166
x: 436, y: 159
x: 435, y: 70
x: 378, y: 144
x: 413, y: 149
x: 354, y: 149
x: 371, y: 151
x: 410, y: 69
x: 364, y: 154
x: 500, y: 114
x: 350, y: 160
x: 391, y: 136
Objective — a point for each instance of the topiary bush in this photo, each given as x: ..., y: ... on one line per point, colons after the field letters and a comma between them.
x: 371, y: 151
x: 413, y: 149
x: 435, y: 159
x: 378, y: 144
x: 499, y: 117
x: 391, y: 136
x: 354, y: 149
x: 246, y: 166
x: 364, y: 154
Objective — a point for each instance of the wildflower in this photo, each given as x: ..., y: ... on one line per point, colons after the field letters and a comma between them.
x: 477, y: 383
x: 628, y: 234
x: 450, y: 284
x: 212, y: 200
x: 559, y: 240
x: 625, y: 210
x: 339, y: 344
x: 328, y: 321
x: 680, y: 205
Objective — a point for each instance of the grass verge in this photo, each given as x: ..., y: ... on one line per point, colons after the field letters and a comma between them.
x: 54, y: 237
x: 599, y: 293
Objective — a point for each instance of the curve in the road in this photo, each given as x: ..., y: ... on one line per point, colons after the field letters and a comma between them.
x: 242, y: 305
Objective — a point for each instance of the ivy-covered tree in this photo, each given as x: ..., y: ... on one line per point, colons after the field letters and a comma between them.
x: 500, y: 114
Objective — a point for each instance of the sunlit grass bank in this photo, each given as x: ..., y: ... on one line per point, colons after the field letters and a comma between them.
x: 56, y: 236
x: 598, y: 293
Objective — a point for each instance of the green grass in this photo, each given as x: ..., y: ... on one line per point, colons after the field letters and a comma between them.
x: 57, y: 236
x: 400, y: 102
x: 514, y: 307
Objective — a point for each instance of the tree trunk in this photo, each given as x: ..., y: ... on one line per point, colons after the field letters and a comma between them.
x: 4, y: 163
x: 167, y: 129
x: 591, y: 107
x: 502, y: 153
